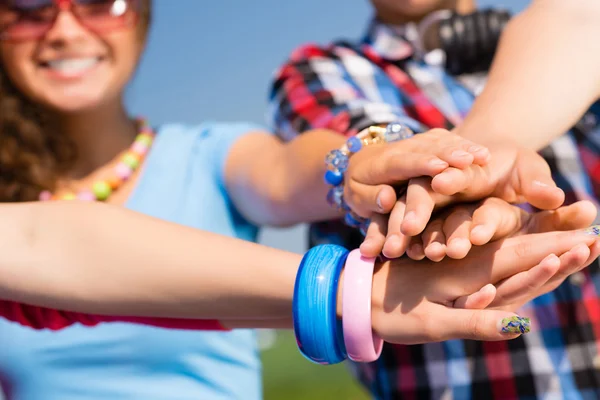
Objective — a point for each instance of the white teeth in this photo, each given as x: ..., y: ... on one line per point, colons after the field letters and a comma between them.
x: 73, y: 66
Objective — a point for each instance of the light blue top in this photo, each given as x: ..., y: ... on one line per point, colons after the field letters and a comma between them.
x: 182, y: 182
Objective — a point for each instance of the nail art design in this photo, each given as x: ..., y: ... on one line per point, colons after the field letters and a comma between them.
x: 515, y: 324
x: 593, y: 230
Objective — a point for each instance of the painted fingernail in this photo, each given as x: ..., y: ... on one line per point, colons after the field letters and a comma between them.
x: 593, y: 230
x: 515, y: 324
x: 460, y: 153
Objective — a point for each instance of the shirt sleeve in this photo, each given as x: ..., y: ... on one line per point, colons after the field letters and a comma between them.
x: 47, y: 318
x: 333, y: 88
x: 225, y: 135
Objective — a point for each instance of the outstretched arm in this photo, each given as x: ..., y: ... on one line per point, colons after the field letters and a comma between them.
x: 94, y: 258
x: 545, y: 75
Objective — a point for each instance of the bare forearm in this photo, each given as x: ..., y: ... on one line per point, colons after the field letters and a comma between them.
x: 279, y: 184
x: 106, y: 260
x: 545, y: 75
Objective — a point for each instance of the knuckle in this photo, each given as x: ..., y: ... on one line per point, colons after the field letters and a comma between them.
x: 431, y: 329
x: 474, y: 326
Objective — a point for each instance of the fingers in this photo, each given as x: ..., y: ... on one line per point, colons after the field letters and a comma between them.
x: 392, y: 163
x: 469, y: 224
x: 365, y: 200
x: 415, y: 248
x: 457, y: 227
x: 470, y: 182
x: 420, y: 203
x: 478, y: 300
x: 594, y: 253
x: 455, y: 150
x: 571, y: 262
x: 511, y: 256
x: 448, y: 235
x: 489, y: 325
x: 526, y: 282
x: 434, y: 240
x: 575, y: 216
x: 375, y: 237
x: 535, y: 181
x: 374, y: 168
x: 396, y: 242
x: 495, y: 219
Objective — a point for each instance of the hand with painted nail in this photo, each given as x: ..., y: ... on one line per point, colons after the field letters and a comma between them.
x: 512, y: 174
x: 476, y: 297
x: 454, y: 231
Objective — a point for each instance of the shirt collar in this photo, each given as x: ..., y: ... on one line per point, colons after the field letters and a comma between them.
x: 392, y: 42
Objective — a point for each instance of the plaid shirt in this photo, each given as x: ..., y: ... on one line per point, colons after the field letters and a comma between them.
x: 348, y: 86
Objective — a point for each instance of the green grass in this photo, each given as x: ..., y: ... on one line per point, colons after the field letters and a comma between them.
x: 288, y: 376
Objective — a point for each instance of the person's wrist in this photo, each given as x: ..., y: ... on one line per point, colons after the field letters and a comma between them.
x: 380, y: 277
x: 380, y: 273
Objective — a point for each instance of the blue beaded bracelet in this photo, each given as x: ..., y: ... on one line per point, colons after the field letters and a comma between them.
x: 318, y: 331
x: 337, y: 163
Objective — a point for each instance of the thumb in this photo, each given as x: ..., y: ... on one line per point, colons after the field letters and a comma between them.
x: 574, y: 216
x: 535, y: 182
x: 490, y: 325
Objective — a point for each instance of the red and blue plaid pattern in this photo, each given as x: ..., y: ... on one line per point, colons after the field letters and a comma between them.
x: 349, y: 86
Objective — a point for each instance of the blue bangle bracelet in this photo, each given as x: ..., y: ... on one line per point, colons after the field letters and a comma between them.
x: 316, y: 326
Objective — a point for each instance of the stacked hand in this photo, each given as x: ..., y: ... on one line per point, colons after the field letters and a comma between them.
x: 434, y: 170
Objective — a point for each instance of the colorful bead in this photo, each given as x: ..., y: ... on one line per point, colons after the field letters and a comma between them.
x: 337, y: 160
x: 354, y: 144
x: 45, y: 195
x: 396, y: 131
x: 114, y: 182
x: 123, y: 171
x: 131, y: 160
x: 335, y: 197
x: 139, y: 148
x: 102, y: 190
x: 144, y: 139
x: 86, y: 195
x: 364, y: 227
x: 334, y: 177
x: 353, y: 220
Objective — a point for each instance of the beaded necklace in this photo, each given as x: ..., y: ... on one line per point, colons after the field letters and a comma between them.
x: 102, y: 189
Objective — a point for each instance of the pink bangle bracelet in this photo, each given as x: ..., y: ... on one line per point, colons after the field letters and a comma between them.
x: 362, y: 344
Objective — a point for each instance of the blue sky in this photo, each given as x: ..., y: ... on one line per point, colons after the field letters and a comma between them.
x: 214, y: 59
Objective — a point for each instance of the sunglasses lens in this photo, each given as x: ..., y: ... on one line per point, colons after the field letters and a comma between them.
x: 104, y: 15
x: 21, y: 19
